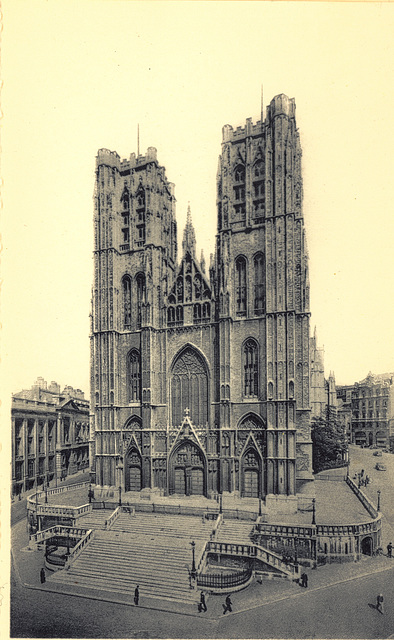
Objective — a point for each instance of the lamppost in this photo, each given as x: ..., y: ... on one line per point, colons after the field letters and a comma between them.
x: 378, y: 499
x: 120, y: 496
x: 220, y: 503
x: 90, y: 493
x: 46, y: 492
x: 193, y: 571
x: 260, y: 511
x: 313, y: 510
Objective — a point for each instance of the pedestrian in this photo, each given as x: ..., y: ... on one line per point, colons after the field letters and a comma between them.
x: 42, y: 575
x: 227, y: 606
x: 379, y: 602
x: 136, y: 595
x: 305, y: 580
x: 203, y: 606
x: 389, y: 550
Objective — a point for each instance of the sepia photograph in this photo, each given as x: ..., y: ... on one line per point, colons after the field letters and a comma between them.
x: 197, y: 345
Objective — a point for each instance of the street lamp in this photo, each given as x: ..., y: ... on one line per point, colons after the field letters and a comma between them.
x: 220, y: 503
x: 313, y: 510
x: 193, y: 571
x: 46, y: 492
x: 378, y: 492
x: 120, y: 496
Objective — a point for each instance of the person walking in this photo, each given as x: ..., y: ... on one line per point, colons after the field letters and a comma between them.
x: 42, y: 576
x: 305, y: 580
x: 136, y: 595
x: 203, y: 606
x: 379, y: 602
x: 228, y: 605
x: 390, y: 550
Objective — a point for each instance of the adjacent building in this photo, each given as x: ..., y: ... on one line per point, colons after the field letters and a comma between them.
x: 200, y: 382
x: 373, y: 410
x: 50, y: 434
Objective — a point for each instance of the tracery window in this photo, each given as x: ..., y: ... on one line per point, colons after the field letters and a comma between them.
x: 126, y: 286
x: 239, y: 191
x: 251, y: 368
x: 189, y: 388
x: 179, y: 315
x: 134, y: 376
x: 259, y: 293
x: 140, y: 278
x: 240, y: 294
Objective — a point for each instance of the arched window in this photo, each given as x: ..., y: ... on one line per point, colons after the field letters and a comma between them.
x: 251, y: 368
x: 189, y: 388
x: 240, y: 294
x: 206, y: 312
x: 239, y: 173
x: 170, y: 316
x: 197, y: 313
x: 258, y: 169
x: 134, y: 376
x: 140, y: 278
x: 179, y: 315
x: 259, y: 277
x: 126, y: 286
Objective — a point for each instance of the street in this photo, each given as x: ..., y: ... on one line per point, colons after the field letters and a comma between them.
x: 341, y: 611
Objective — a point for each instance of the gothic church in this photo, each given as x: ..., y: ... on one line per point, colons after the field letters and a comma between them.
x: 200, y: 380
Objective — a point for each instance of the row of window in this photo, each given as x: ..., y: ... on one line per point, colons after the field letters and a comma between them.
x: 201, y: 314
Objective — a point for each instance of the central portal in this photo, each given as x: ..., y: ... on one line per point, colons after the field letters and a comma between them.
x: 187, y: 470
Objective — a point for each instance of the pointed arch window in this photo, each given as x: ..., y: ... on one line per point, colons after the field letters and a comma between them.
x: 259, y: 288
x: 251, y: 368
x: 134, y: 376
x: 241, y: 292
x: 126, y: 286
x: 189, y: 388
x: 170, y: 316
x: 140, y: 279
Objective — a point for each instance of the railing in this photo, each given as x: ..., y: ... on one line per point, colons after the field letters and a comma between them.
x: 284, y: 530
x: 251, y: 551
x: 57, y: 530
x: 362, y: 497
x: 79, y: 547
x: 113, y: 517
x: 62, y: 510
x: 31, y: 500
x: 224, y: 581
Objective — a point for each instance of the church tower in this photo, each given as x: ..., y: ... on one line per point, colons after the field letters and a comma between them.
x: 135, y: 253
x: 263, y: 290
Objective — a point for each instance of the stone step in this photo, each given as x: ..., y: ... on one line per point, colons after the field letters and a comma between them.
x: 146, y: 589
x: 178, y: 579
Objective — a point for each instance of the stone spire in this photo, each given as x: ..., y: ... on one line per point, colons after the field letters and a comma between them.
x: 189, y: 237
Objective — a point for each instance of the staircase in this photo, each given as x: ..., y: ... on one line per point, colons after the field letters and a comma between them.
x: 235, y: 531
x: 152, y: 551
x: 173, y: 526
x: 95, y: 519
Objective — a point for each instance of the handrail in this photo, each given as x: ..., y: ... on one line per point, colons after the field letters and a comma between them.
x: 79, y: 547
x: 251, y: 551
x: 114, y: 516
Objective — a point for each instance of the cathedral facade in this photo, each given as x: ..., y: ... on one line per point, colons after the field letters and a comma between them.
x: 200, y: 378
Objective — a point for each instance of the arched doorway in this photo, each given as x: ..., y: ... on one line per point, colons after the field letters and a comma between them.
x: 251, y: 474
x: 367, y: 546
x: 189, y: 388
x: 370, y: 439
x: 133, y: 471
x: 187, y: 470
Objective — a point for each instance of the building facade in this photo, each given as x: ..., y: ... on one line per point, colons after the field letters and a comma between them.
x: 200, y: 381
x: 50, y: 435
x: 373, y: 410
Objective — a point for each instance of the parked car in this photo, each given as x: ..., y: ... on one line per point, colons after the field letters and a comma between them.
x: 377, y: 453
x: 380, y: 467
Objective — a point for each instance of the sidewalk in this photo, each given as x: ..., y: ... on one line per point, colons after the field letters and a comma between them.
x: 27, y: 565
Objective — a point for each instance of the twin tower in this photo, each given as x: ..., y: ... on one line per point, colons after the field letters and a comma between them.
x: 200, y: 379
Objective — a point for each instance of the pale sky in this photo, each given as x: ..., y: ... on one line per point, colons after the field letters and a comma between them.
x: 78, y: 76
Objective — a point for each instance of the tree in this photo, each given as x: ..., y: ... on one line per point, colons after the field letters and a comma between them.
x: 329, y: 443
